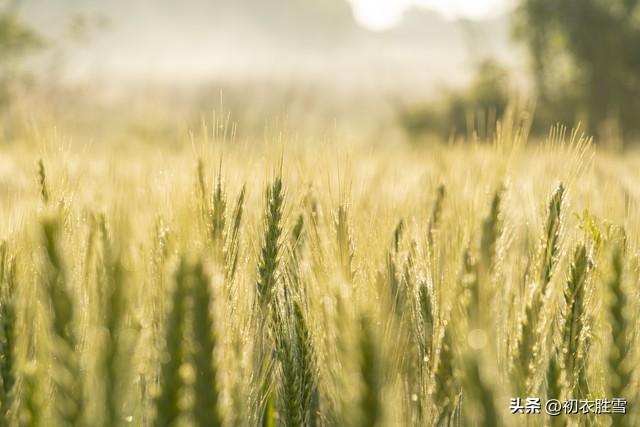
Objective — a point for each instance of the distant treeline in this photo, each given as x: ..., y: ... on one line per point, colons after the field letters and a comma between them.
x: 584, y: 63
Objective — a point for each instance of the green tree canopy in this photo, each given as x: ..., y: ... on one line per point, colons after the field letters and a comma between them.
x: 585, y: 56
x: 17, y: 40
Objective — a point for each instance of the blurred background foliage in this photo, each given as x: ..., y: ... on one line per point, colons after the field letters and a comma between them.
x: 17, y: 40
x: 585, y: 59
x: 474, y: 109
x: 584, y: 66
x: 307, y: 62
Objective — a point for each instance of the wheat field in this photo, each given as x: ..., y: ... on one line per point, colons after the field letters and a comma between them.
x: 219, y: 282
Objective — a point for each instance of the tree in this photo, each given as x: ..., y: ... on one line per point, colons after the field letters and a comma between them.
x: 473, y: 110
x: 585, y: 55
x: 17, y: 40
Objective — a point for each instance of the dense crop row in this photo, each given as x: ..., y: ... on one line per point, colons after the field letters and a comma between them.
x: 422, y: 288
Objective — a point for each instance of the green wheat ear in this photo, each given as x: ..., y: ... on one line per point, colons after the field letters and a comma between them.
x: 574, y: 317
x: 66, y: 374
x: 397, y: 293
x: 31, y: 407
x: 555, y: 379
x: 469, y: 301
x: 270, y: 252
x: 370, y: 407
x: 344, y: 243
x: 444, y: 383
x: 527, y: 341
x: 167, y: 408
x: 202, y: 187
x: 266, y: 310
x: 398, y: 233
x: 269, y: 415
x: 42, y: 182
x: 217, y: 217
x: 114, y: 309
x: 7, y: 334
x: 479, y: 398
x: 436, y: 213
x: 551, y: 245
x: 232, y: 238
x: 206, y: 405
x: 619, y: 358
x: 426, y: 323
x: 297, y: 236
x: 491, y: 230
x: 307, y: 361
x: 556, y: 386
x: 296, y: 353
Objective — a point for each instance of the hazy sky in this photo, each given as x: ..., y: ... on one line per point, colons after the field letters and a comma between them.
x: 379, y: 14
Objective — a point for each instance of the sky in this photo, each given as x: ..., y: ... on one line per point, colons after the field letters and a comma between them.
x: 381, y: 14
